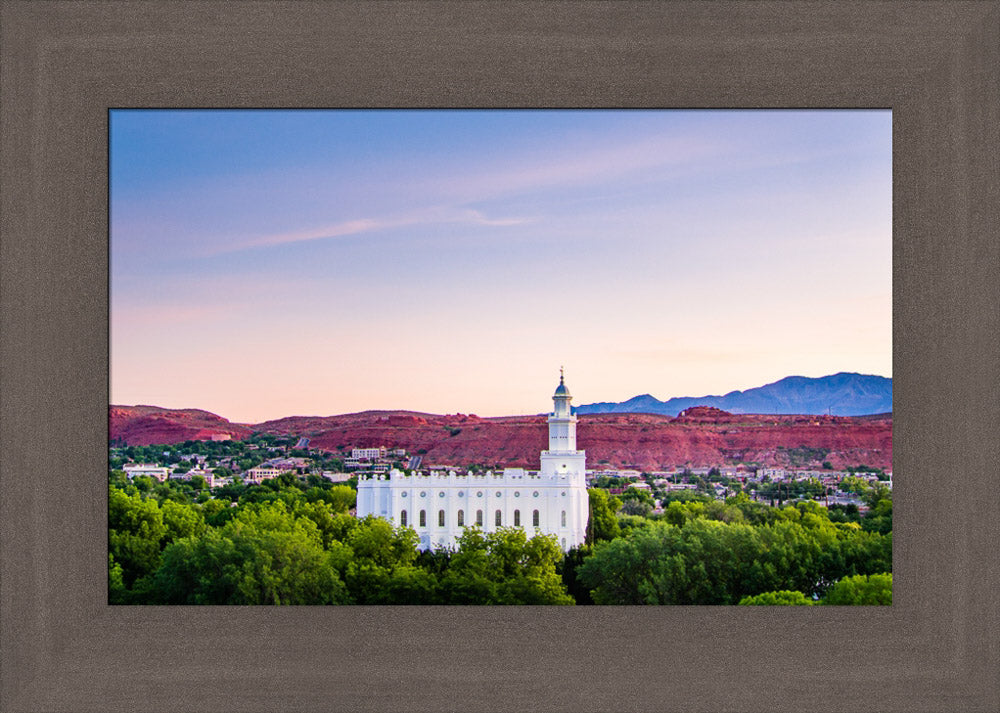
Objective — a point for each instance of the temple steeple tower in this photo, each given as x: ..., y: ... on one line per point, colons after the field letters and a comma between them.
x: 562, y: 462
x: 562, y: 422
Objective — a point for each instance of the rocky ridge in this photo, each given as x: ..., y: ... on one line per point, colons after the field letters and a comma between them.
x: 699, y: 436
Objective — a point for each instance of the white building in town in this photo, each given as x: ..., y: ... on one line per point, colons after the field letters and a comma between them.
x: 552, y: 500
x: 368, y: 453
x: 161, y: 473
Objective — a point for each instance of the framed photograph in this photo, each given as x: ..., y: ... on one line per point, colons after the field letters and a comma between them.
x: 932, y: 65
x: 390, y: 291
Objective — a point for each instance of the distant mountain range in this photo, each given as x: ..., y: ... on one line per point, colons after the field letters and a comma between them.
x: 843, y: 394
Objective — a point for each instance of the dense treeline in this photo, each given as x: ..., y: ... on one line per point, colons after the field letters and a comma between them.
x: 711, y: 561
x: 292, y: 541
x: 286, y: 542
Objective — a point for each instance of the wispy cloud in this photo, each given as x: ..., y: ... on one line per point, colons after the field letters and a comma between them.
x: 578, y: 166
x: 359, y: 226
x: 337, y: 230
x: 475, y: 216
x: 451, y: 194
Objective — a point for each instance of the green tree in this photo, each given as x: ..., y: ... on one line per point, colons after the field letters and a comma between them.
x: 795, y: 558
x: 570, y: 564
x: 705, y: 561
x: 685, y: 496
x: 504, y: 567
x: 860, y: 590
x: 376, y: 540
x: 264, y: 555
x: 116, y: 585
x: 381, y: 570
x: 701, y: 562
x: 853, y: 484
x: 409, y: 584
x: 287, y: 568
x: 135, y: 531
x: 879, y: 516
x: 784, y: 597
x: 676, y: 514
x: 636, y: 507
x: 143, y: 483
x: 602, y: 525
x: 323, y: 516
x: 719, y: 510
x: 232, y: 491
x: 859, y: 552
x: 622, y: 571
x: 340, y: 497
x: 636, y: 502
x: 844, y: 513
x: 118, y: 479
x: 217, y: 512
x: 181, y: 520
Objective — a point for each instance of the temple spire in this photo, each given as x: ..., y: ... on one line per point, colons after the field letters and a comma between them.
x: 562, y: 422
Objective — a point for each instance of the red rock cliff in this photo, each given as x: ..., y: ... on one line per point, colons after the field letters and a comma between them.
x: 700, y: 436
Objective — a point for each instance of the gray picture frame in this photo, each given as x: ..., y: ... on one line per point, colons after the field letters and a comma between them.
x: 934, y: 64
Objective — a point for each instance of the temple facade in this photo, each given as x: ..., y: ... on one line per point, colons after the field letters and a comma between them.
x: 552, y: 500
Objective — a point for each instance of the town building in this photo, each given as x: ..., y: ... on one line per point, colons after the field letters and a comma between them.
x: 161, y: 473
x: 288, y: 464
x: 552, y: 500
x: 368, y: 453
x: 208, y: 475
x: 257, y: 475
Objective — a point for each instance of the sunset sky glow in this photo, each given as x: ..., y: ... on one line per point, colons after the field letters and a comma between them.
x: 277, y: 263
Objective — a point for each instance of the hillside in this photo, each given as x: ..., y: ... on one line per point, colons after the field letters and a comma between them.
x: 151, y: 425
x: 699, y: 437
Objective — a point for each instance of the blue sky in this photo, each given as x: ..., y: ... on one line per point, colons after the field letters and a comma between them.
x: 273, y: 263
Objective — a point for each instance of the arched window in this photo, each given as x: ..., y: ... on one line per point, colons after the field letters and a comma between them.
x: 564, y: 518
x: 402, y: 518
x: 499, y: 519
x: 534, y: 518
x: 479, y: 518
x: 461, y: 518
x: 423, y: 518
x: 440, y: 518
x: 517, y: 518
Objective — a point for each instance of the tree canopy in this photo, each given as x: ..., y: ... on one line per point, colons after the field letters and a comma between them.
x: 293, y: 540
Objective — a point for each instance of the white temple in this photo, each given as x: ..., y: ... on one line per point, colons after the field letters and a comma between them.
x: 552, y: 500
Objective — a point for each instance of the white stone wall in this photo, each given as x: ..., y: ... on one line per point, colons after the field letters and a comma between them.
x: 512, y: 490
